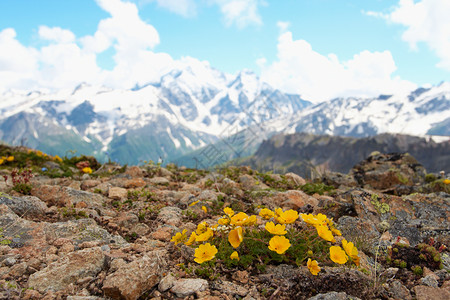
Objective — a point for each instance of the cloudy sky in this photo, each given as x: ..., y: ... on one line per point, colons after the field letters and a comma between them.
x: 317, y: 48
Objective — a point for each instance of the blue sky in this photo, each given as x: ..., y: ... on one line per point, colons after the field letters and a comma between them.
x: 318, y: 48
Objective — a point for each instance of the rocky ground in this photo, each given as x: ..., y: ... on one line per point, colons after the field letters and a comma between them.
x: 106, y: 235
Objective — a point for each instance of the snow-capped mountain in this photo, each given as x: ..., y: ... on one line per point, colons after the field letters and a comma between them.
x: 425, y: 111
x: 189, y: 107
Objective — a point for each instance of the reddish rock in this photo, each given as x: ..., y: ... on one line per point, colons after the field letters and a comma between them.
x: 90, y: 183
x: 134, y: 171
x: 117, y: 193
x: 293, y: 200
x: 134, y: 183
x: 162, y: 234
x: 430, y: 293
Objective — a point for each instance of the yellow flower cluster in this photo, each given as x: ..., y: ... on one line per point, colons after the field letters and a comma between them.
x: 446, y: 181
x: 5, y: 159
x: 42, y: 154
x: 233, y: 227
x: 87, y: 170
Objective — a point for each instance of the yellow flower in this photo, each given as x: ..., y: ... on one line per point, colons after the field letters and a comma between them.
x: 319, y: 219
x: 325, y: 233
x: 351, y: 251
x: 446, y: 181
x: 251, y: 220
x: 193, y: 203
x: 235, y: 237
x: 275, y: 229
x: 39, y: 153
x: 239, y: 219
x: 313, y: 266
x: 223, y: 221
x: 10, y: 158
x: 179, y: 237
x: 266, y: 213
x: 279, y: 244
x: 228, y: 211
x: 234, y: 255
x: 204, y: 253
x: 202, y: 228
x: 191, y: 239
x: 204, y: 236
x: 87, y: 170
x: 1, y: 161
x: 338, y: 255
x: 288, y: 217
x: 205, y: 209
x: 57, y: 158
x: 335, y: 231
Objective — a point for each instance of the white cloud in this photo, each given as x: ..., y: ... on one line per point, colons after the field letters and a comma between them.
x: 18, y: 64
x: 67, y: 60
x: 240, y: 12
x: 299, y: 69
x: 425, y: 21
x: 56, y: 34
x: 283, y: 26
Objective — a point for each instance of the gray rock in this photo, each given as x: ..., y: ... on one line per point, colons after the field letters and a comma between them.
x: 10, y: 261
x: 429, y: 280
x: 84, y: 298
x: 186, y: 287
x: 295, y: 179
x: 70, y: 268
x: 130, y: 281
x: 396, y: 290
x: 166, y: 283
x: 334, y: 296
x: 170, y: 215
x: 25, y: 206
x: 230, y: 288
x: 159, y: 181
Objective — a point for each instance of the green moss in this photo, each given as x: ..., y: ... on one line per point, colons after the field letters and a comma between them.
x: 417, y: 270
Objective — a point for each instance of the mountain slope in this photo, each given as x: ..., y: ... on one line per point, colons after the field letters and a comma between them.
x: 303, y: 153
x: 190, y: 107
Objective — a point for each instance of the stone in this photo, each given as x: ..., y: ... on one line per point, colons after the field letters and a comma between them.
x: 334, y: 296
x: 31, y: 295
x: 134, y: 171
x: 170, y: 215
x: 26, y: 206
x: 230, y: 288
x: 117, y: 193
x: 166, y: 283
x: 207, y: 195
x: 396, y: 290
x: 162, y: 234
x: 134, y: 183
x: 295, y: 179
x: 430, y: 293
x: 132, y: 280
x: 65, y: 196
x: 70, y: 268
x: 294, y: 200
x: 189, y: 286
x: 159, y: 181
x: 429, y: 280
x: 389, y: 171
x: 90, y: 183
x: 240, y: 276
